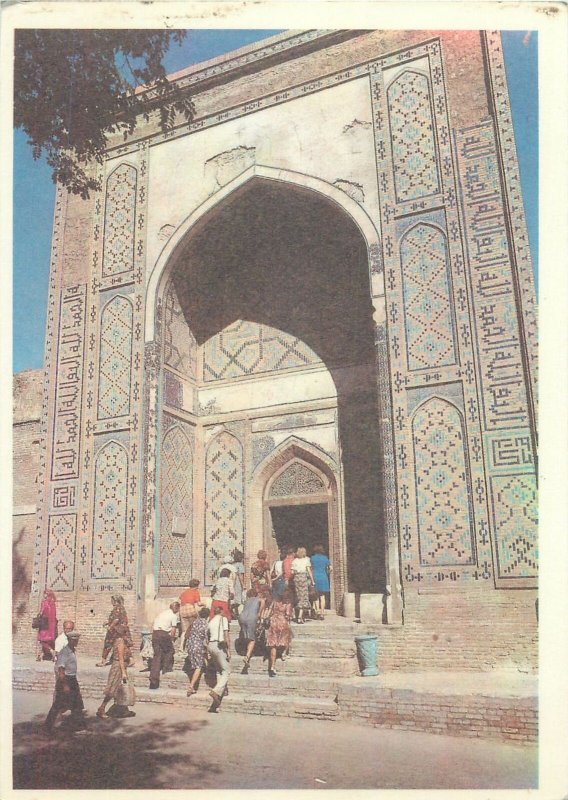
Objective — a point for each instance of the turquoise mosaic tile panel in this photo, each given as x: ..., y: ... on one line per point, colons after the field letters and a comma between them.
x: 224, y: 502
x: 442, y: 486
x: 176, y: 508
x: 120, y: 216
x: 515, y: 513
x: 110, y: 512
x: 61, y: 552
x: 427, y: 304
x: 412, y: 132
x: 115, y: 358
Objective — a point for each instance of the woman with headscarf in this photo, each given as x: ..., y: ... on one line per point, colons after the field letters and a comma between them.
x: 260, y: 575
x: 279, y: 634
x: 46, y: 635
x: 196, y: 647
x: 117, y: 676
x: 117, y: 616
x: 303, y: 576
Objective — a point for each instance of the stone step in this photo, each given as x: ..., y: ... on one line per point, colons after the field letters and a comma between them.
x: 305, y: 665
x: 272, y: 704
x: 310, y: 648
x: 254, y: 683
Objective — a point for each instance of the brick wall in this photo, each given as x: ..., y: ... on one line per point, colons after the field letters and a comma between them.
x: 460, y: 630
x: 464, y: 72
x: 513, y: 719
x: 27, y: 399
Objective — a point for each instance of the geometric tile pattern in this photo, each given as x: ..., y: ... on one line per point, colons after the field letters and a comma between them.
x: 180, y: 347
x: 115, y: 359
x: 120, y: 213
x: 224, y: 502
x: 246, y: 348
x: 442, y: 496
x: 61, y: 552
x: 176, y: 508
x: 413, y: 144
x: 423, y: 191
x: 427, y: 305
x: 110, y: 512
x: 515, y: 510
x: 296, y: 480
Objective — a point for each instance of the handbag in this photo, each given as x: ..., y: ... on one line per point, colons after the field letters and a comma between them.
x: 40, y: 622
x: 125, y: 695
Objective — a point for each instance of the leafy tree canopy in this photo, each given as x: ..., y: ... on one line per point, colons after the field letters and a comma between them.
x: 73, y: 89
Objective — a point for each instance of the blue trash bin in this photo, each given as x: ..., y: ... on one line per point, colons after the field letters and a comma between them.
x: 367, y: 654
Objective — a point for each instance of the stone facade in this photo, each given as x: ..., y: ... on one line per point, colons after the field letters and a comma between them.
x: 309, y: 314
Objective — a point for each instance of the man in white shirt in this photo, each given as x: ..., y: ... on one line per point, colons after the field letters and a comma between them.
x: 163, y: 632
x: 62, y: 640
x: 219, y: 649
x: 67, y: 692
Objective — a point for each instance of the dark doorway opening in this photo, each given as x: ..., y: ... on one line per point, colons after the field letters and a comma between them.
x: 300, y: 526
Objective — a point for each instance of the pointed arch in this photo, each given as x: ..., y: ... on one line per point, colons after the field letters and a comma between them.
x: 166, y: 261
x: 290, y: 454
x: 292, y: 448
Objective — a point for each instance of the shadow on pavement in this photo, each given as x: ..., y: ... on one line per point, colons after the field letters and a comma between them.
x: 111, y: 754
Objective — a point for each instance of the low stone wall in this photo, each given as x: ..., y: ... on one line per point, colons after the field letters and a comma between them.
x: 513, y: 719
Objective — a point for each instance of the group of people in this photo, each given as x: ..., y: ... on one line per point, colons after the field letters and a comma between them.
x: 279, y: 594
x: 61, y: 649
x: 287, y: 591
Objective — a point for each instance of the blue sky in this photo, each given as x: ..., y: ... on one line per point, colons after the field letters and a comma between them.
x: 34, y: 191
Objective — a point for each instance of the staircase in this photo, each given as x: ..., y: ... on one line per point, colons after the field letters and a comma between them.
x: 322, y: 654
x: 319, y: 681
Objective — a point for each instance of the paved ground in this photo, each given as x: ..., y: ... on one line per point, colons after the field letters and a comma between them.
x: 165, y: 747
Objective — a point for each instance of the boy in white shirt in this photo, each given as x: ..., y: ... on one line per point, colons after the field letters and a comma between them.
x: 220, y: 654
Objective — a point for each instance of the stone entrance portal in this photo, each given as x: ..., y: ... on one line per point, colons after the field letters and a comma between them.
x: 325, y: 274
x: 259, y: 363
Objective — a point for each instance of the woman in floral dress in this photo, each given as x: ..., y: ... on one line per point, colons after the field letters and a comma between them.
x: 117, y: 616
x: 117, y: 676
x: 279, y: 634
x: 197, y: 642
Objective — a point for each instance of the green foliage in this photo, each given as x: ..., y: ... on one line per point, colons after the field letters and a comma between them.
x: 74, y: 88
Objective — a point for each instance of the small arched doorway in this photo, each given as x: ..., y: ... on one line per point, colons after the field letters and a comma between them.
x: 295, y: 501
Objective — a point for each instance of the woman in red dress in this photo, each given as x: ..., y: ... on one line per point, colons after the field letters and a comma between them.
x: 47, y: 636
